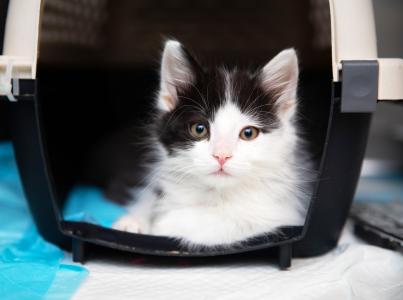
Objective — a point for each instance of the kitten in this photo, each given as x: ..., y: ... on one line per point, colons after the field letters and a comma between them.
x: 228, y: 162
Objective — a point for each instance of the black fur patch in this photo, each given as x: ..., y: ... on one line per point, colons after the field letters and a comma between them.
x: 199, y: 101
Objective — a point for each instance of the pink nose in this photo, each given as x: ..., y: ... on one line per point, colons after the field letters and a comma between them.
x: 222, y: 158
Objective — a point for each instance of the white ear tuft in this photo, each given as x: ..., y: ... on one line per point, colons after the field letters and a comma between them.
x: 176, y: 73
x: 279, y: 77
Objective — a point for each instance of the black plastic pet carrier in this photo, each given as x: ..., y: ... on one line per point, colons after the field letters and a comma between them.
x: 57, y: 113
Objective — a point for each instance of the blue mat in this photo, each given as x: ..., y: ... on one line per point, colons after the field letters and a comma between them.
x: 30, y: 267
x: 86, y: 203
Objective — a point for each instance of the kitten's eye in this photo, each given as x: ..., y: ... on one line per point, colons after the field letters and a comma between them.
x: 249, y: 133
x: 198, y: 130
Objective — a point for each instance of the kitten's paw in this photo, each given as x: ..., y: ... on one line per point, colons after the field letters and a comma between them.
x: 128, y: 223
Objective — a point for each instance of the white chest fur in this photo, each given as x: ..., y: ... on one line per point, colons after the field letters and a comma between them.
x: 209, y: 216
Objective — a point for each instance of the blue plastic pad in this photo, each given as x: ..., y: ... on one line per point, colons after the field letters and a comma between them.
x: 30, y: 267
x: 87, y: 204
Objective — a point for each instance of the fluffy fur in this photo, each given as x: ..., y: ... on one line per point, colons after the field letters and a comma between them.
x: 263, y: 183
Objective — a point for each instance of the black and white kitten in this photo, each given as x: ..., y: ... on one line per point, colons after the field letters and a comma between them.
x: 228, y: 162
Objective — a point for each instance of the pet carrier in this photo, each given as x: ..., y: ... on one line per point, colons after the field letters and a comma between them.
x: 55, y: 115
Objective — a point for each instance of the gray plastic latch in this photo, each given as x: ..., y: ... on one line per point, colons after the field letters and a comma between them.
x: 359, y: 91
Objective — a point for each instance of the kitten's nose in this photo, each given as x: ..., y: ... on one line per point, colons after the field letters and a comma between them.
x: 222, y: 158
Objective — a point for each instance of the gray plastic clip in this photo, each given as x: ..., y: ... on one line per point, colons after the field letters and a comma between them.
x: 359, y: 91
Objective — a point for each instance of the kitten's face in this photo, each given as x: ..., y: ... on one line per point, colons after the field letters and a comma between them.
x: 222, y: 127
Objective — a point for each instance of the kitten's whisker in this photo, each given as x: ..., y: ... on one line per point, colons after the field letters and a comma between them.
x: 200, y: 94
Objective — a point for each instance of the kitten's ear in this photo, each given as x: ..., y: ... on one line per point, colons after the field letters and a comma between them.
x: 279, y: 78
x: 177, y: 73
